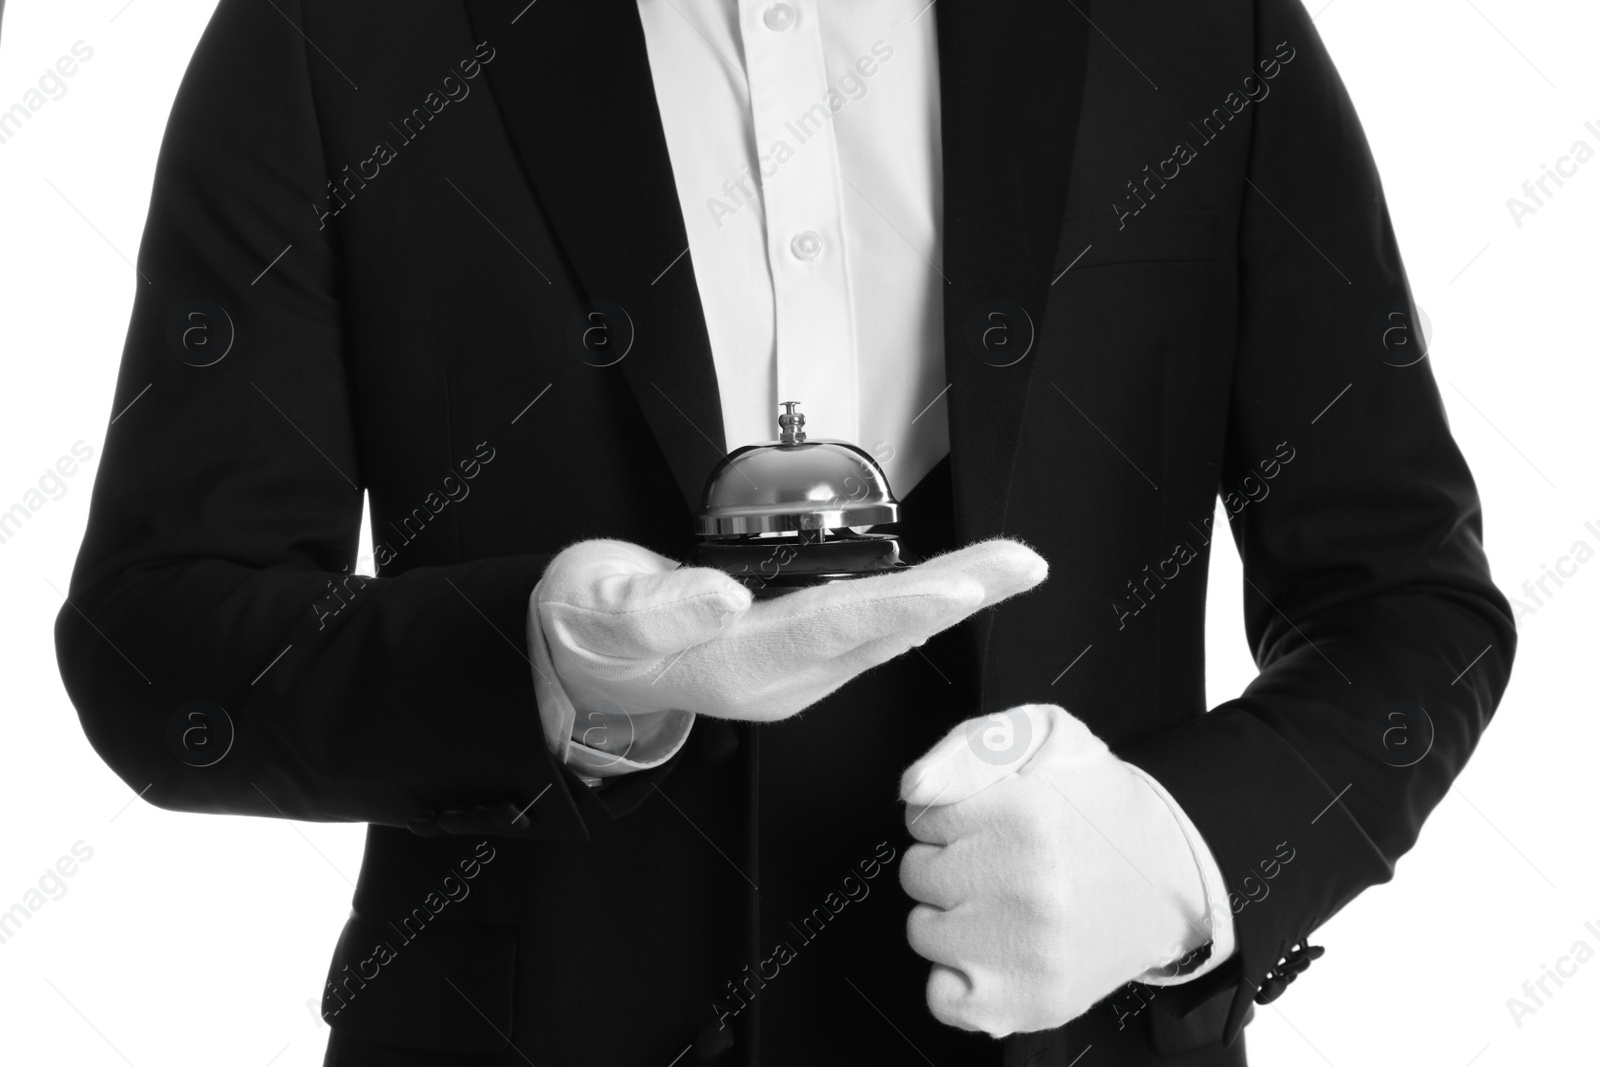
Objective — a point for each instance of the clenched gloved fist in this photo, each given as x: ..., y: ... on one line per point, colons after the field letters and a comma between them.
x: 1050, y: 872
x: 621, y: 631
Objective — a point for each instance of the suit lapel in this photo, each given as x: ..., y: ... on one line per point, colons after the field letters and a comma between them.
x: 1011, y: 86
x: 572, y: 79
x: 1010, y: 89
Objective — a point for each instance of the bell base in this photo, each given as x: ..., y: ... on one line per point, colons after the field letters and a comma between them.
x: 770, y: 566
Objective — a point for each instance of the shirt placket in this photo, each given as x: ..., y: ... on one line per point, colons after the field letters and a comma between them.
x: 800, y: 185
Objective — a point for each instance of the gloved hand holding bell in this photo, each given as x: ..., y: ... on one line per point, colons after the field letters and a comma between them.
x: 617, y: 630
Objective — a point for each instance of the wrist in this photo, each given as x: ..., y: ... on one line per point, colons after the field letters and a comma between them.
x: 1201, y: 896
x: 595, y: 743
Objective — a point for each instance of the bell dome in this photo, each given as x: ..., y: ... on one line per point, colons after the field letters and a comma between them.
x: 794, y: 484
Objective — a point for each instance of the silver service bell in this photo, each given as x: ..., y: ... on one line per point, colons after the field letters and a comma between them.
x: 792, y: 513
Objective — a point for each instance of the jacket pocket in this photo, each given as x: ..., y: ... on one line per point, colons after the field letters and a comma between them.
x: 441, y: 987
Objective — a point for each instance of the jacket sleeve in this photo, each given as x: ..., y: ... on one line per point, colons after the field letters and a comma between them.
x: 1383, y: 646
x: 219, y: 653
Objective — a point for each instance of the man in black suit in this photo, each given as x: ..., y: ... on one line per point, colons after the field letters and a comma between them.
x: 1211, y: 296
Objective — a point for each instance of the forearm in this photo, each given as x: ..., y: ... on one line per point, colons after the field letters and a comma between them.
x: 1295, y: 766
x: 415, y: 696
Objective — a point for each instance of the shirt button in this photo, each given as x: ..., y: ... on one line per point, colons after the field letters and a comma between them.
x: 806, y: 245
x: 779, y: 17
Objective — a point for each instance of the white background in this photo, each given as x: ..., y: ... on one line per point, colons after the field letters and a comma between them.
x: 191, y: 939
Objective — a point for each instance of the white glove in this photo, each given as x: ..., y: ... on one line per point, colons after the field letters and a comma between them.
x: 1052, y: 873
x: 618, y: 630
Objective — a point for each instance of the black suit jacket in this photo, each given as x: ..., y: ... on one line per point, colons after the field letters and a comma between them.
x: 374, y: 234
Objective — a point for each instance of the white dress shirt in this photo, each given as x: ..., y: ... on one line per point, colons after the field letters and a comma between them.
x: 804, y: 141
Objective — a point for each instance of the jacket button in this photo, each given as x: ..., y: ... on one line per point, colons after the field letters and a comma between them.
x: 713, y: 1041
x: 1287, y: 970
x: 1272, y: 988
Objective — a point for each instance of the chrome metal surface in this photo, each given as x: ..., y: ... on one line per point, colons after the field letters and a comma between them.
x: 795, y: 484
